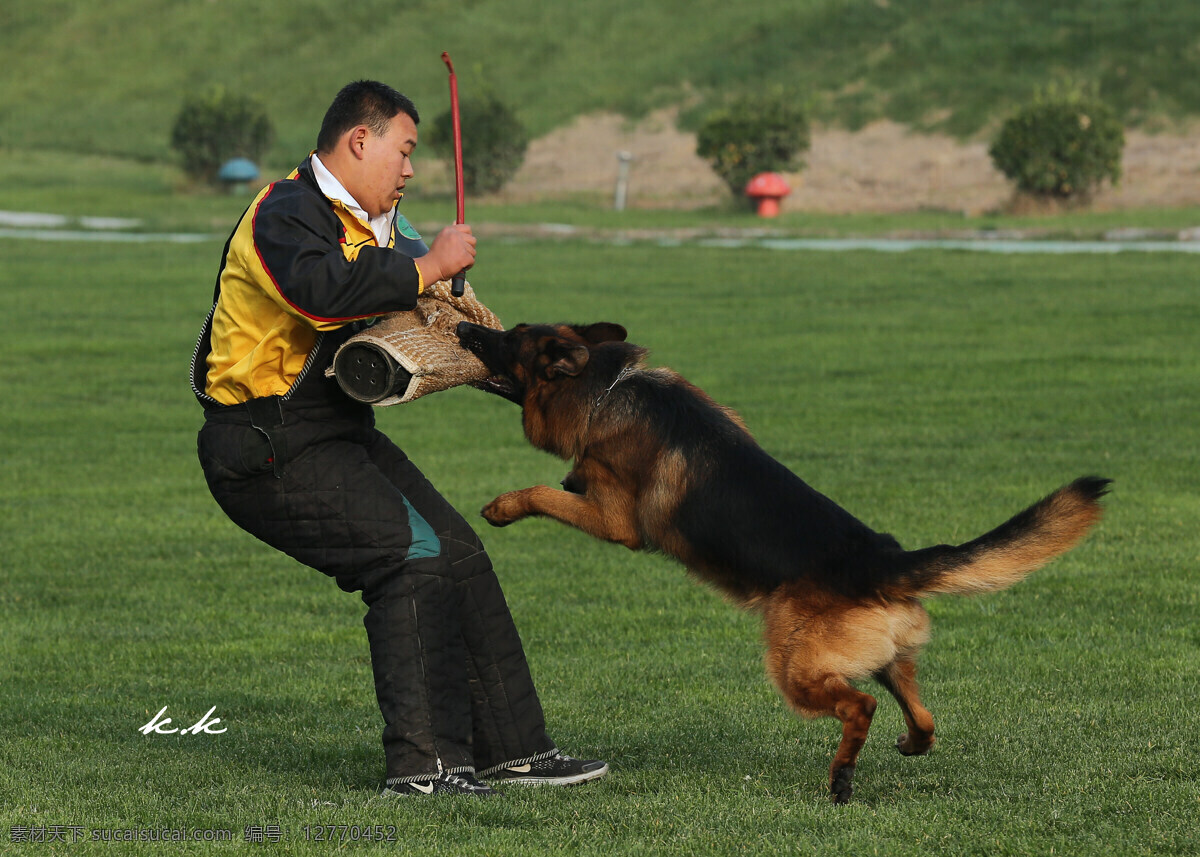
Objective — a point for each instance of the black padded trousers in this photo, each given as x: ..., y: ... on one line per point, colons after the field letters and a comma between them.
x: 334, y: 493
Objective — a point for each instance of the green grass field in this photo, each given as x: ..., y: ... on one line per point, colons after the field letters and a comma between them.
x: 933, y: 394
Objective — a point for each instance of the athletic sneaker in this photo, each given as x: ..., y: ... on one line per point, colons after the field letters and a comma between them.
x: 557, y: 770
x: 443, y: 784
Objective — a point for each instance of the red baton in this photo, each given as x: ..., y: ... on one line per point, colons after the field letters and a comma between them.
x: 458, y: 283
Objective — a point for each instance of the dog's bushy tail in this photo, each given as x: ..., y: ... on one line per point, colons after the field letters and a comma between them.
x: 1016, y: 548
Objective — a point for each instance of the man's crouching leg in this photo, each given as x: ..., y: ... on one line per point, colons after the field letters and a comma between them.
x: 421, y: 680
x: 510, y: 740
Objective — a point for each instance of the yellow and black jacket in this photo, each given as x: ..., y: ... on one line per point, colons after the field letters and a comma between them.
x: 297, y: 267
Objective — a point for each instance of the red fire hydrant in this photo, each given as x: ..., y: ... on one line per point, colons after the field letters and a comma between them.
x: 767, y: 189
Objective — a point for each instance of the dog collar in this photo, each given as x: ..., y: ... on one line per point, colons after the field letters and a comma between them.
x: 624, y: 373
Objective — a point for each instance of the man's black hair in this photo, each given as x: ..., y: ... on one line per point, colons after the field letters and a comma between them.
x: 364, y: 102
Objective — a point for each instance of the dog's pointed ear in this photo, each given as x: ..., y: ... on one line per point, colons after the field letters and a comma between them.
x: 602, y: 331
x: 567, y: 358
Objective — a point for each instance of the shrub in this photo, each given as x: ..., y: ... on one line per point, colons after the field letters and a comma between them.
x: 759, y: 133
x: 494, y: 142
x: 1060, y: 147
x: 217, y: 125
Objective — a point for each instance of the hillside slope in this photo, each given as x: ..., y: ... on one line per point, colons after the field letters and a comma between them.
x: 83, y: 76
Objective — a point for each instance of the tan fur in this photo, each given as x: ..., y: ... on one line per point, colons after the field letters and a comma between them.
x: 1062, y: 520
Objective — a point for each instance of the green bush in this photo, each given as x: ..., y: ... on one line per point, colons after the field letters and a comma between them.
x: 494, y: 142
x: 759, y: 133
x: 1060, y: 147
x: 215, y: 126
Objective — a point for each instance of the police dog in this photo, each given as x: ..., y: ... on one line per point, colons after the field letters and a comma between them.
x: 658, y: 465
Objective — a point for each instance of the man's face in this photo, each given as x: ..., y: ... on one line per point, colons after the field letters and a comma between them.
x: 388, y: 165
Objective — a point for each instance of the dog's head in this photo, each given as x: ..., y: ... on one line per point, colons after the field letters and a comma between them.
x: 531, y: 353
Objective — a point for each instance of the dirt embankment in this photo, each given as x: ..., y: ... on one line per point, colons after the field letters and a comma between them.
x: 880, y: 168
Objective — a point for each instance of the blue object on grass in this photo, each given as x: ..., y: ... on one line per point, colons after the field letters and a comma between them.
x: 238, y: 170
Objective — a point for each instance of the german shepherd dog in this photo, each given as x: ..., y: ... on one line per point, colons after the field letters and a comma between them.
x: 658, y: 465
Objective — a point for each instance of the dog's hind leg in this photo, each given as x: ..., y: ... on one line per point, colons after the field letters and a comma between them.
x: 817, y: 644
x: 900, y: 678
x: 833, y: 696
x: 855, y: 710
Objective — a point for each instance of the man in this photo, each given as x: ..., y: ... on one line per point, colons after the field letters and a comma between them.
x: 297, y: 463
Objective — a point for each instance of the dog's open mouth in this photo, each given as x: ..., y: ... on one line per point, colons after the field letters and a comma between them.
x: 486, y: 344
x: 501, y: 385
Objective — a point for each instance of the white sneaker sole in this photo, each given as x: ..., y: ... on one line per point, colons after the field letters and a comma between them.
x: 553, y: 781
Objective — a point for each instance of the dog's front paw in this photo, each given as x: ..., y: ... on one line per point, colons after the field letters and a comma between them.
x: 505, y: 509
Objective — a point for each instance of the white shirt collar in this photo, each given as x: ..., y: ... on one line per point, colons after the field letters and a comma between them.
x: 332, y: 188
